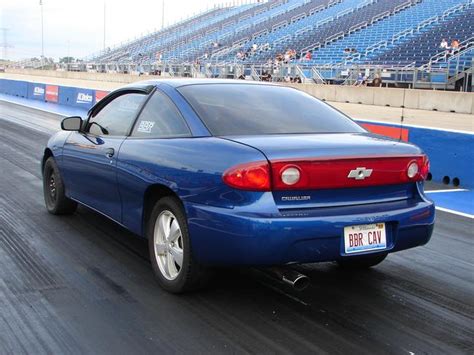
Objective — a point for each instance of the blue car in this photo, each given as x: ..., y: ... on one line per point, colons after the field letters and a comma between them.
x: 231, y: 173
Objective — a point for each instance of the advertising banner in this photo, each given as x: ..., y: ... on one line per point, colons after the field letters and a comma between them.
x: 84, y: 98
x: 36, y: 91
x: 99, y: 95
x: 52, y: 93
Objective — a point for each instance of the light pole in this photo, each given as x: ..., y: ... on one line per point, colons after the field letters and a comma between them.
x: 163, y: 14
x: 104, y: 29
x: 42, y: 34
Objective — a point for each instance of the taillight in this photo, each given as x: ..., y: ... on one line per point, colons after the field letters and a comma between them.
x: 425, y: 167
x: 331, y: 173
x: 419, y: 168
x: 253, y: 176
x: 327, y: 173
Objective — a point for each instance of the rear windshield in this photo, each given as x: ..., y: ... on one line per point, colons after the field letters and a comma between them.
x: 239, y: 109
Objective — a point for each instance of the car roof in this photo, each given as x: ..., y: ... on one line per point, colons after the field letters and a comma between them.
x: 191, y: 81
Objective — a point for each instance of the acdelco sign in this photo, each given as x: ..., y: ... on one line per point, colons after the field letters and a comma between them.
x: 84, y: 98
x: 38, y: 91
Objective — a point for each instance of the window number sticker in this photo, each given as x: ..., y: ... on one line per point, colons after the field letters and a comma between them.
x: 145, y: 126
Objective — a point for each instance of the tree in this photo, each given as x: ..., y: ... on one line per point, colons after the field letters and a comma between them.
x: 67, y: 60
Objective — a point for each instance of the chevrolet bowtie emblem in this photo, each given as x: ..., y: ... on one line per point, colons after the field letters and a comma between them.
x: 359, y: 173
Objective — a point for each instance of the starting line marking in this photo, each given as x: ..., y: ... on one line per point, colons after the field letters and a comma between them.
x: 467, y: 215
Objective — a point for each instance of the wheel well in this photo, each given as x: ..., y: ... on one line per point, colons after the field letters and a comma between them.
x: 152, y: 194
x: 47, y: 153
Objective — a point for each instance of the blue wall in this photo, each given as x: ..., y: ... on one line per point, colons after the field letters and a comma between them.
x: 71, y: 96
x: 451, y: 153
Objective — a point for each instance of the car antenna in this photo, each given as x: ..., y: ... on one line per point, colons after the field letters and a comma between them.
x: 402, y: 118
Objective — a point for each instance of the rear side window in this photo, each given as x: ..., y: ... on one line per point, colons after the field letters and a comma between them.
x: 160, y: 119
x: 245, y: 109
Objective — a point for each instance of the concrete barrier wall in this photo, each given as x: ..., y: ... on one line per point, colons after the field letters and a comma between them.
x: 443, y: 101
x: 117, y: 78
x: 450, y: 152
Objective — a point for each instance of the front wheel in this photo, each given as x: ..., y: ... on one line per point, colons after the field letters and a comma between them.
x: 361, y: 262
x: 170, y: 249
x: 53, y: 190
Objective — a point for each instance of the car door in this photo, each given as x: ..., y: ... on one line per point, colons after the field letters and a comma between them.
x: 153, y: 153
x: 90, y: 156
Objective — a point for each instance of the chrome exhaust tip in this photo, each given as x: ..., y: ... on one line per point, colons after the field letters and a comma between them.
x: 289, y: 276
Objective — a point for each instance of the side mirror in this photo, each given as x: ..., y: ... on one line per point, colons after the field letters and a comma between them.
x: 73, y: 123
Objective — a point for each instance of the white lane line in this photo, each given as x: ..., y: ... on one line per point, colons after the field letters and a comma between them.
x: 447, y: 210
x: 446, y: 190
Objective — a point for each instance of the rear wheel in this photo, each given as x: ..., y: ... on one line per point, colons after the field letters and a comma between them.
x: 361, y: 262
x: 53, y: 190
x: 170, y: 250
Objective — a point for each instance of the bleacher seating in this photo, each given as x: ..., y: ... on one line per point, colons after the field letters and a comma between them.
x: 145, y: 47
x: 205, y: 38
x: 420, y: 48
x: 383, y: 29
x: 382, y: 32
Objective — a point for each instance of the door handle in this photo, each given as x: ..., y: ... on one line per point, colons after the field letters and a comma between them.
x: 109, y: 152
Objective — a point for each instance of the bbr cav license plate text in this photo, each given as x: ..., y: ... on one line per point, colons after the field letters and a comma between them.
x: 364, y: 238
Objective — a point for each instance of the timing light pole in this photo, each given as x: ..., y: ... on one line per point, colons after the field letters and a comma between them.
x: 104, y: 29
x: 42, y: 34
x: 163, y: 14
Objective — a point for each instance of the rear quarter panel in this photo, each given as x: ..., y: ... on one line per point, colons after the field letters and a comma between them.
x: 191, y: 167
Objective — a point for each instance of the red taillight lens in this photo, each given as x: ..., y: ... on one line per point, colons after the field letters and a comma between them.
x: 324, y: 173
x: 250, y: 176
x: 424, y: 168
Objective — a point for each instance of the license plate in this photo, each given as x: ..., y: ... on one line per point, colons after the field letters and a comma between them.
x: 365, y: 237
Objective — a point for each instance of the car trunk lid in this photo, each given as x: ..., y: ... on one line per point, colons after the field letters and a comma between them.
x: 337, y: 169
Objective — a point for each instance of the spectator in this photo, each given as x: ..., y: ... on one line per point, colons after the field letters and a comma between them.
x: 454, y: 46
x: 444, y: 44
x: 377, y: 82
x: 308, y: 55
x: 360, y: 80
x: 254, y: 47
x: 364, y: 80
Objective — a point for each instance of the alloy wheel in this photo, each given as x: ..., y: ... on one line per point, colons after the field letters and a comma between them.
x: 168, y: 245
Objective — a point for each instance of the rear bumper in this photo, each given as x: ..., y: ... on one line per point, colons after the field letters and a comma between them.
x: 222, y: 236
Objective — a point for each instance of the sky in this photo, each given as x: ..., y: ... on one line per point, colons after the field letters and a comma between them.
x: 76, y: 27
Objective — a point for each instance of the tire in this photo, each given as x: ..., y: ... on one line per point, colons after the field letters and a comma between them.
x: 169, y: 246
x: 53, y: 189
x: 361, y: 262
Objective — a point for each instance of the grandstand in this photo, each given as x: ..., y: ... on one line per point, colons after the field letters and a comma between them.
x: 403, y: 34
